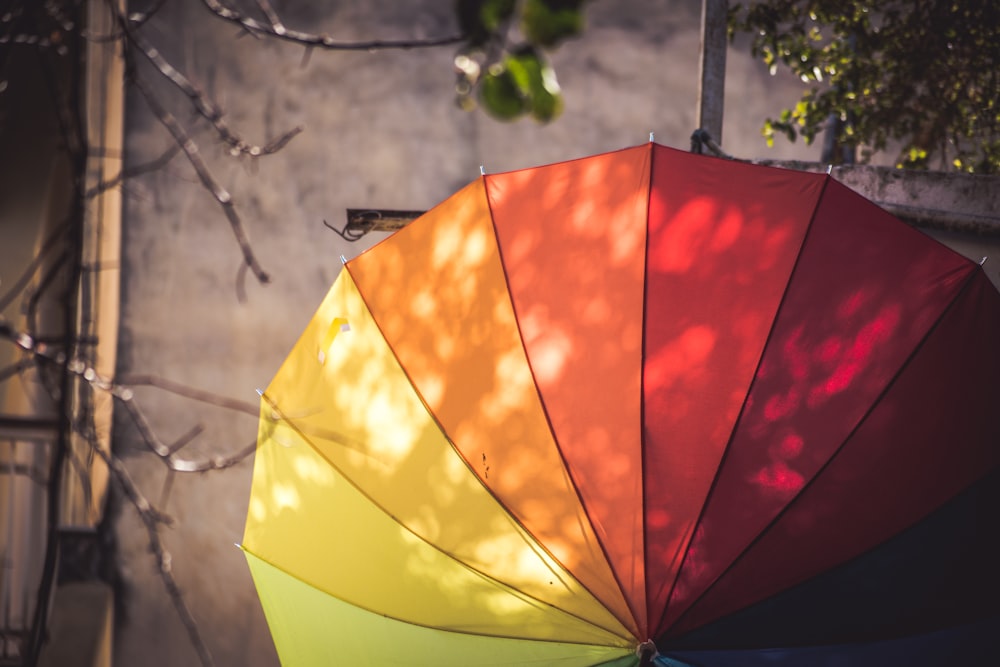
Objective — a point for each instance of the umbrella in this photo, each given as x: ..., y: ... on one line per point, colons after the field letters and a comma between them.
x: 644, y: 404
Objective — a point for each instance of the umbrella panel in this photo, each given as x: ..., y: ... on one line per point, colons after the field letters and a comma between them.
x: 313, y: 629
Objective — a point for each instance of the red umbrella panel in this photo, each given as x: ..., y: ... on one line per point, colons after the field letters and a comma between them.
x: 679, y: 390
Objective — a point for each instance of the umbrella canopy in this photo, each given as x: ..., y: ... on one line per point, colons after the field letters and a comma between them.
x: 646, y: 395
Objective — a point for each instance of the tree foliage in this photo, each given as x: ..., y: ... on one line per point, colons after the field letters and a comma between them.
x: 918, y: 76
x: 503, y: 66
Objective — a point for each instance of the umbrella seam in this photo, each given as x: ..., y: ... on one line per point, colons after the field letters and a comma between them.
x: 642, y: 388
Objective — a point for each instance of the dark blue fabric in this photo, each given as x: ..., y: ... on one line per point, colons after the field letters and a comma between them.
x: 975, y: 645
x: 940, y: 580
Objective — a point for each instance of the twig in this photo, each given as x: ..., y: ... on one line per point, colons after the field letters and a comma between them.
x: 15, y: 369
x: 137, y: 19
x: 186, y: 439
x: 151, y: 519
x: 46, y: 281
x: 278, y: 30
x: 193, y: 155
x: 126, y: 397
x: 167, y: 453
x: 158, y: 163
x: 54, y: 238
x: 276, y: 25
x: 241, y: 283
x: 252, y: 409
x: 214, y: 463
x: 204, y: 106
x: 146, y: 431
x: 168, y: 486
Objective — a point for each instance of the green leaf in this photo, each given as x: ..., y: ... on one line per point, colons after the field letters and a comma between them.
x: 500, y: 94
x: 548, y: 22
x: 480, y: 20
x: 493, y: 13
x: 538, y: 83
x: 522, y: 83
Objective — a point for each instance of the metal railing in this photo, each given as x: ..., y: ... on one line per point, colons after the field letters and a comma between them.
x: 26, y: 447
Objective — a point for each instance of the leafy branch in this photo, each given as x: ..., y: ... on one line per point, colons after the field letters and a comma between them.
x: 503, y: 64
x: 920, y: 78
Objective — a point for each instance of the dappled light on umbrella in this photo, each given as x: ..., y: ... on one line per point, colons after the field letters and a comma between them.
x: 643, y: 395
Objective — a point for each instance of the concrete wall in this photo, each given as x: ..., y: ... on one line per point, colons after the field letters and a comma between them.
x: 381, y: 131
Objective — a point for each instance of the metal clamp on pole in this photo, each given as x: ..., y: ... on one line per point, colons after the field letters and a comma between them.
x: 701, y: 139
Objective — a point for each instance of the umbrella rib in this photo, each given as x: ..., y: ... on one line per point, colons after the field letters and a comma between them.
x: 548, y: 422
x: 513, y: 591
x: 736, y: 424
x: 833, y: 456
x: 642, y: 384
x: 414, y: 623
x: 331, y: 435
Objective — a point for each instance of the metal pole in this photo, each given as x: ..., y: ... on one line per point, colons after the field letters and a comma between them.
x: 712, y: 65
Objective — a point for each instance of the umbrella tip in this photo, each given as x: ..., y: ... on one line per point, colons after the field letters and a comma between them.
x: 482, y: 170
x: 647, y: 653
x: 983, y: 260
x: 343, y: 260
x: 650, y: 137
x: 260, y: 392
x: 829, y: 169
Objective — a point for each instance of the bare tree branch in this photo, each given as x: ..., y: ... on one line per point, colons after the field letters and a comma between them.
x: 216, y: 462
x: 126, y: 397
x: 276, y: 25
x: 137, y: 19
x: 186, y: 439
x: 25, y: 278
x: 275, y: 28
x: 252, y: 409
x: 152, y: 519
x: 202, y: 104
x: 168, y: 453
x: 220, y: 194
x: 158, y: 163
x: 15, y: 369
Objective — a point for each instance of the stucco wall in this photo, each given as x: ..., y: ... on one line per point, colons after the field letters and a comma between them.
x: 381, y: 131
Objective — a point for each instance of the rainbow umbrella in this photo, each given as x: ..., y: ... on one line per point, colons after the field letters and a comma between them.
x: 645, y: 405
